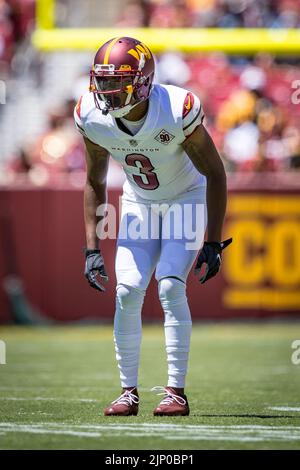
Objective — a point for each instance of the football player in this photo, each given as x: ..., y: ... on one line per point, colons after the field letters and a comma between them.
x: 156, y: 133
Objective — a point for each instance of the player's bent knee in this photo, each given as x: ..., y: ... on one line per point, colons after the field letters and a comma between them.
x: 128, y: 298
x: 171, y: 289
x: 172, y: 294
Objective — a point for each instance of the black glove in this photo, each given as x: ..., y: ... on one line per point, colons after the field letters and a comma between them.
x: 94, y: 265
x: 211, y: 255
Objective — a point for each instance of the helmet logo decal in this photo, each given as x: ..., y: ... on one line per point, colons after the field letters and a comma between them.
x: 139, y: 50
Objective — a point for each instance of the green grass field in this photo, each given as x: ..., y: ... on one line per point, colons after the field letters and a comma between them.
x: 243, y: 389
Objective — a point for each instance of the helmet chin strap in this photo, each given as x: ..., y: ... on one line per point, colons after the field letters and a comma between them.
x: 121, y: 112
x: 117, y: 113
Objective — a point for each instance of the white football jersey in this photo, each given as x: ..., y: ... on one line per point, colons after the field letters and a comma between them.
x: 156, y: 166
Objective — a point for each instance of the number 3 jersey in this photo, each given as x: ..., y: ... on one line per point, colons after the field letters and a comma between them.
x: 154, y: 161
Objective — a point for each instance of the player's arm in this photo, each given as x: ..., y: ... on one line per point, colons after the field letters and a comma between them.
x: 97, y: 159
x: 95, y: 189
x: 205, y: 157
x: 201, y: 149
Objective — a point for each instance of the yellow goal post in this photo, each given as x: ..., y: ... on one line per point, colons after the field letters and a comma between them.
x: 47, y: 37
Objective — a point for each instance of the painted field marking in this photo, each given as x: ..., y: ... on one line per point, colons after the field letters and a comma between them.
x: 88, y: 400
x: 285, y: 408
x: 36, y: 429
x: 240, y: 433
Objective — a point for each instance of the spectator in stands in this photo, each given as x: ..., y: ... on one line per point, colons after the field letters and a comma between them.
x: 16, y: 21
x: 172, y: 69
x: 59, y: 149
x: 133, y: 16
x: 222, y: 13
x: 6, y: 37
x: 170, y: 14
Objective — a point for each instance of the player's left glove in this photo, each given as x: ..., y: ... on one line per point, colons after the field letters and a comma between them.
x: 94, y: 264
x: 211, y: 255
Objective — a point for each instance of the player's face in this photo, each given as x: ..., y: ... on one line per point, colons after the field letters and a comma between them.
x: 114, y: 90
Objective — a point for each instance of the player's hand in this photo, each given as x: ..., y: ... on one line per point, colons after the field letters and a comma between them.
x: 211, y: 255
x: 94, y: 265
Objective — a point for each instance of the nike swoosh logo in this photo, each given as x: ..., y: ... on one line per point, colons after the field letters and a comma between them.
x: 188, y: 104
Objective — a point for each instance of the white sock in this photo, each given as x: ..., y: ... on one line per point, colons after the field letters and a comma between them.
x: 128, y: 333
x: 178, y: 327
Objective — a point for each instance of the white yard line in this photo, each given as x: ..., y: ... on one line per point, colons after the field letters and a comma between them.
x: 284, y: 408
x: 88, y: 400
x: 174, y: 432
x: 32, y: 429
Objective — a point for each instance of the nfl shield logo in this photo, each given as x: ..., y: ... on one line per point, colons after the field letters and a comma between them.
x: 133, y: 143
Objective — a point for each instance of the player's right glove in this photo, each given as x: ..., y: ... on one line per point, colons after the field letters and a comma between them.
x: 94, y: 265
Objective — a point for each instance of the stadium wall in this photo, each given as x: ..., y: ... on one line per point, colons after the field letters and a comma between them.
x: 42, y: 237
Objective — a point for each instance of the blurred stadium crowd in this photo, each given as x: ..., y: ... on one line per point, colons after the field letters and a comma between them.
x: 247, y: 100
x: 16, y: 21
x: 211, y: 13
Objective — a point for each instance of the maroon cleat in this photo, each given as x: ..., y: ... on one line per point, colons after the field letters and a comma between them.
x: 126, y: 405
x: 174, y: 403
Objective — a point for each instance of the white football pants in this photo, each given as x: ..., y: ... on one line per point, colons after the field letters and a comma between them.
x: 166, y: 237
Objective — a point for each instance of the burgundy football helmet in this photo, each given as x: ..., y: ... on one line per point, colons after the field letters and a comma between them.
x: 122, y: 75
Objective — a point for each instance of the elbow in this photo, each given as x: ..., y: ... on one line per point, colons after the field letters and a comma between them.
x: 96, y: 184
x: 217, y: 176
